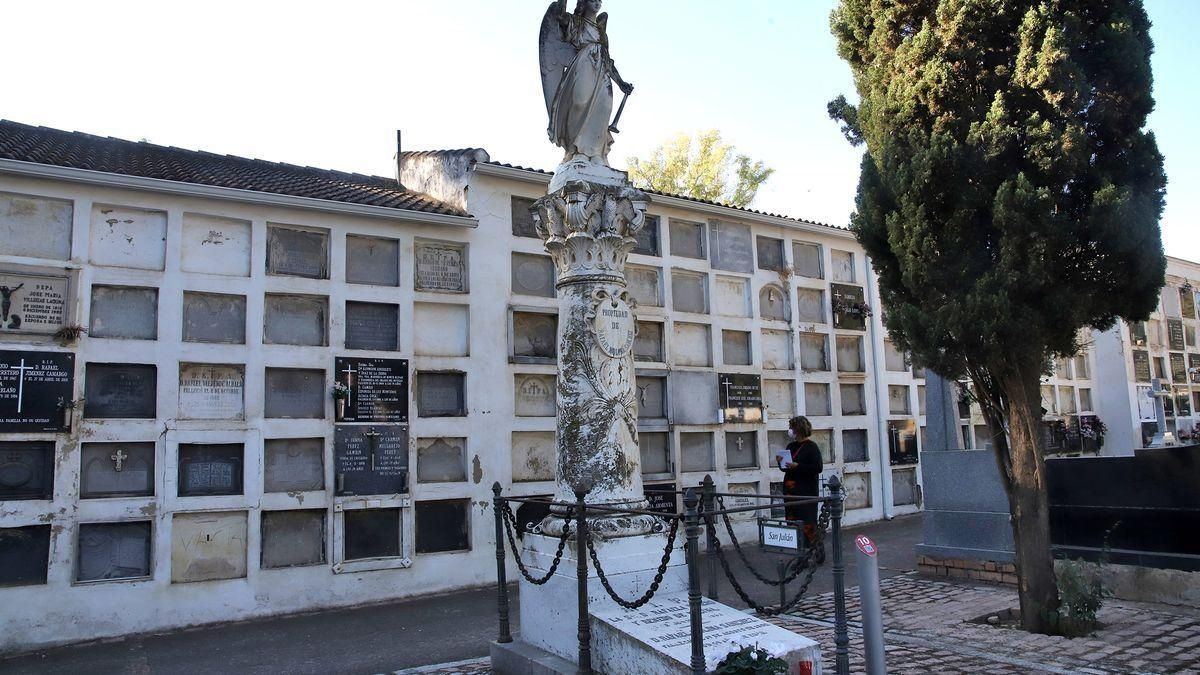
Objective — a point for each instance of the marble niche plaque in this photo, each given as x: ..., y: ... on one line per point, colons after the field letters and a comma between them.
x: 655, y: 448
x: 902, y: 441
x: 441, y: 329
x: 810, y: 305
x: 733, y: 296
x: 532, y: 275
x: 687, y: 239
x: 648, y: 343
x: 773, y: 303
x: 850, y: 299
x: 372, y: 261
x: 695, y: 397
x: 814, y: 351
x: 905, y: 489
x: 696, y: 451
x: 215, y: 245
x: 689, y: 291
x: 211, y: 392
x: 293, y: 538
x: 372, y: 326
x: 661, y: 497
x: 535, y: 335
x: 293, y: 464
x: 741, y: 398
x: 816, y: 399
x: 120, y: 391
x: 116, y: 470
x: 854, y: 445
x: 207, y: 469
x: 777, y: 349
x: 124, y: 236
x: 741, y: 451
x: 692, y: 345
x: 34, y: 388
x: 27, y: 470
x: 735, y: 348
x: 214, y: 317
x: 854, y: 400
x: 647, y: 237
x: 441, y: 267
x: 36, y: 227
x: 645, y: 284
x: 534, y: 395
x: 297, y: 252
x: 533, y: 457
x: 110, y: 551
x: 370, y: 459
x: 24, y: 555
x: 441, y: 394
x: 732, y: 248
x: 32, y: 303
x: 441, y: 460
x: 296, y: 320
x: 770, y: 253
x: 806, y: 258
x: 780, y: 398
x: 124, y: 312
x: 378, y: 389
x: 297, y: 393
x: 651, y: 397
x: 208, y: 546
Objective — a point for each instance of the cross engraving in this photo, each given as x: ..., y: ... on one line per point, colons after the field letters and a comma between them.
x: 119, y: 460
x: 372, y: 440
x: 350, y: 373
x: 21, y: 382
x: 739, y: 443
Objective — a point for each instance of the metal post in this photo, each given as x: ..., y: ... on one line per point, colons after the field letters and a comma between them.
x: 781, y: 566
x: 709, y: 502
x: 501, y: 577
x: 581, y: 573
x: 691, y: 520
x: 841, y: 637
x: 872, y: 610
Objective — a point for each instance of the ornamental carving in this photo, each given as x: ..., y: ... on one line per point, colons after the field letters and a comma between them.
x: 589, y: 229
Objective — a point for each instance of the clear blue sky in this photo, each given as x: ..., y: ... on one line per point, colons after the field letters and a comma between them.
x: 327, y: 84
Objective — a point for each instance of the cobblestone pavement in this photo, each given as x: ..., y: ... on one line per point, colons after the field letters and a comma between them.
x: 926, y: 632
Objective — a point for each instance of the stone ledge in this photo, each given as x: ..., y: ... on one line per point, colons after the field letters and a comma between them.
x: 988, y: 571
x: 522, y: 658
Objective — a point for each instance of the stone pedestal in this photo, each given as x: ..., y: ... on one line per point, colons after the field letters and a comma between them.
x: 549, y: 613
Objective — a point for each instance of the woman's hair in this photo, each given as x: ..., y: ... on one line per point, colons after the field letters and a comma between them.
x: 801, y: 426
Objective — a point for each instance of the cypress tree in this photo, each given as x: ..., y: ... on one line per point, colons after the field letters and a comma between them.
x: 1009, y: 198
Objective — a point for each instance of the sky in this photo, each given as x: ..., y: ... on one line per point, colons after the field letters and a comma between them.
x: 328, y: 84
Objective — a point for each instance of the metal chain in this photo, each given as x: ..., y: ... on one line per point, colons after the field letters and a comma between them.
x: 807, y: 559
x: 737, y: 546
x: 509, y: 523
x: 658, y: 575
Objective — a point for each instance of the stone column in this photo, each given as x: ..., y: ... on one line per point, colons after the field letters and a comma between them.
x: 589, y: 229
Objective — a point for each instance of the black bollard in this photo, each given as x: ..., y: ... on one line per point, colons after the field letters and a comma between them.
x: 691, y: 520
x: 501, y: 577
x: 709, y: 503
x: 841, y: 636
x: 581, y: 573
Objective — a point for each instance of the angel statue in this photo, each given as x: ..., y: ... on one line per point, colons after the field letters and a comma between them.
x: 577, y: 77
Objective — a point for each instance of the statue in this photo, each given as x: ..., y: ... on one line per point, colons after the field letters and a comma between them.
x: 577, y: 77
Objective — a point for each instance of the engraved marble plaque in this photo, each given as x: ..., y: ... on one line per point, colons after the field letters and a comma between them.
x: 777, y: 349
x: 211, y: 392
x: 441, y: 267
x: 732, y: 248
x: 535, y: 335
x: 377, y: 389
x: 689, y: 291
x: 534, y: 395
x: 741, y: 398
x: 1175, y: 338
x: 853, y: 399
x: 293, y: 464
x: 648, y: 343
x: 1141, y: 366
x: 214, y: 317
x: 661, y: 497
x: 34, y: 388
x: 26, y: 470
x: 297, y: 252
x: 847, y: 301
x: 116, y: 470
x: 441, y: 394
x: 372, y: 261
x: 120, y: 390
x: 113, y: 551
x: 733, y: 296
x: 533, y: 457
x: 295, y: 393
x: 293, y: 538
x: 651, y: 397
x: 32, y: 303
x: 806, y: 259
x: 902, y: 441
x: 441, y: 460
x: 532, y: 275
x: 372, y: 326
x: 296, y: 320
x: 370, y: 459
x: 210, y: 469
x: 779, y: 396
x: 613, y: 327
x: 816, y: 399
x: 692, y: 345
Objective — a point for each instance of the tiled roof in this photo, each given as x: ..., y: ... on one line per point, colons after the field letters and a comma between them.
x: 77, y: 150
x: 691, y: 199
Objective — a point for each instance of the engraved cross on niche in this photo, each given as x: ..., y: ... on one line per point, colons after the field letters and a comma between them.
x: 739, y: 443
x: 350, y: 373
x: 118, y: 459
x: 373, y: 440
x: 21, y: 382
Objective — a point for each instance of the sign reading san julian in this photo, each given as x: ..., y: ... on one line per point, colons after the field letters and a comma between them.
x: 35, y: 390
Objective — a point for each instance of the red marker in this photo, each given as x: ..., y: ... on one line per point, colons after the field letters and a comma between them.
x: 865, y: 545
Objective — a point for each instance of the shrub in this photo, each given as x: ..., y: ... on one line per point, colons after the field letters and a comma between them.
x: 751, y: 661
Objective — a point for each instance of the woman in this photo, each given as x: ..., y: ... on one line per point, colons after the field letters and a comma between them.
x: 583, y: 100
x: 802, y: 477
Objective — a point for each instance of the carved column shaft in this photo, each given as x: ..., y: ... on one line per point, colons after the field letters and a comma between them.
x: 588, y: 229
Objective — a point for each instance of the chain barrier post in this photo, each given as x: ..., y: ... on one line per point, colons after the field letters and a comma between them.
x: 841, y: 637
x: 581, y: 573
x: 501, y: 577
x: 691, y: 519
x: 709, y: 502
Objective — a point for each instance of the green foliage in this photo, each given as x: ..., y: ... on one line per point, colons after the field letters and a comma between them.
x: 701, y: 167
x: 1080, y: 595
x: 751, y: 661
x: 1009, y: 195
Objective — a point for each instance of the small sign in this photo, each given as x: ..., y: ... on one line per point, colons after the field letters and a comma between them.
x: 377, y: 390
x: 779, y: 535
x: 613, y: 327
x: 32, y: 303
x: 370, y: 459
x: 865, y: 545
x: 741, y: 398
x: 661, y: 497
x: 35, y: 390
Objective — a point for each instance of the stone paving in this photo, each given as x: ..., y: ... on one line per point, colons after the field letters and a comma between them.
x: 926, y: 632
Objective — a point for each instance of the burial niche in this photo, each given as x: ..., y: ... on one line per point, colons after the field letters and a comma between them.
x: 655, y: 447
x: 109, y: 551
x: 208, y: 546
x: 687, y: 239
x: 443, y: 526
x: 214, y: 317
x: 645, y: 283
x: 116, y: 470
x: 211, y: 391
x: 777, y: 349
x: 215, y: 245
x: 770, y: 253
x: 733, y: 296
x: 26, y: 470
x: 441, y: 460
x: 123, y: 236
x: 689, y: 291
x: 293, y: 464
x: 806, y: 259
x: 648, y: 343
x: 647, y: 237
x: 522, y: 217
x: 124, y: 312
x: 780, y: 398
x: 120, y: 391
x: 441, y: 394
x: 651, y: 396
x: 293, y: 538
x: 741, y: 449
x: 533, y: 456
x: 692, y: 345
x: 898, y: 399
x: 372, y: 261
x: 297, y: 252
x: 441, y: 267
x: 735, y: 348
x: 209, y: 469
x: 532, y: 275
x: 441, y: 329
x: 296, y: 320
x: 732, y: 249
x: 773, y: 303
x: 814, y: 352
x: 297, y: 393
x: 696, y: 451
x: 854, y: 445
x: 35, y: 227
x: 853, y: 399
x: 535, y: 336
x: 371, y: 533
x: 816, y: 399
x: 534, y: 395
x: 24, y: 555
x: 372, y: 326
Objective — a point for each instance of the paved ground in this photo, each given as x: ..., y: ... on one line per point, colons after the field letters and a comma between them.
x: 381, y: 638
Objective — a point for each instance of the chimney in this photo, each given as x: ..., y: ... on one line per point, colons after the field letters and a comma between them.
x: 399, y: 161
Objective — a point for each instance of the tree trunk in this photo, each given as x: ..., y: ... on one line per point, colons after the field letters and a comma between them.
x: 1028, y: 504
